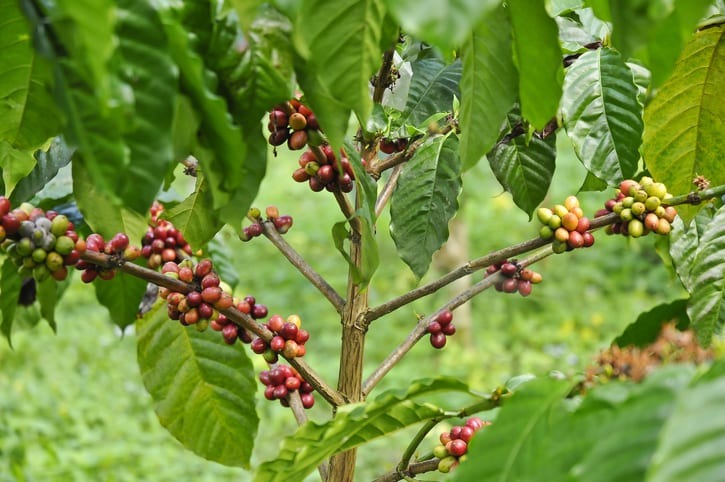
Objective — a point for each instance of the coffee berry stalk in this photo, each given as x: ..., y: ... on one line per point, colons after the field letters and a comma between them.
x: 325, y: 170
x: 454, y: 443
x: 289, y: 339
x: 566, y: 225
x: 163, y: 242
x: 282, y: 380
x: 42, y: 244
x: 117, y: 247
x: 642, y: 208
x: 440, y: 327
x: 282, y: 223
x: 515, y: 278
x: 294, y: 123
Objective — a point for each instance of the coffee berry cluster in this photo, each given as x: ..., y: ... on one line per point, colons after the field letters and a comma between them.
x: 516, y: 278
x: 117, y: 246
x: 282, y: 223
x: 390, y: 146
x: 641, y: 209
x: 440, y: 327
x: 162, y: 242
x: 289, y: 339
x: 325, y: 171
x: 454, y: 443
x: 282, y: 380
x: 41, y: 244
x: 566, y: 225
x: 294, y: 123
x: 232, y: 332
x: 197, y: 307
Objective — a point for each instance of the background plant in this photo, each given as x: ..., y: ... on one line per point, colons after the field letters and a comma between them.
x: 127, y: 90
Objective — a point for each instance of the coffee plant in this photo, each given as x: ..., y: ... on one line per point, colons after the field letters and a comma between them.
x: 391, y: 105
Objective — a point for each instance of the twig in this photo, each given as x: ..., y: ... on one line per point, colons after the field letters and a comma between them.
x: 387, y: 191
x: 422, y: 326
x: 302, y: 266
x: 468, y: 268
x: 412, y: 470
x: 486, y: 404
x: 381, y: 80
x: 295, y: 404
x: 233, y: 314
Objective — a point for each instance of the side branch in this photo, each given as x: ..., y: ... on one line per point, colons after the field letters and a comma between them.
x: 236, y: 316
x: 302, y: 266
x: 422, y: 326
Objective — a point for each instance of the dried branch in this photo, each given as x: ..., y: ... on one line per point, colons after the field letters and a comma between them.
x: 387, y: 191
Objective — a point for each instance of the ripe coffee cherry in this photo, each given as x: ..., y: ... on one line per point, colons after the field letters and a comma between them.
x: 298, y: 140
x: 387, y: 145
x: 457, y: 447
x: 438, y: 340
x: 448, y: 329
x: 444, y: 317
x: 524, y: 287
x: 509, y: 269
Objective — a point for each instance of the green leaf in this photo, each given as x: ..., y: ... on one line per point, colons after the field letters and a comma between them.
x: 48, y: 163
x: 100, y: 213
x: 488, y: 85
x: 194, y: 215
x: 507, y: 450
x: 684, y: 121
x: 16, y: 164
x: 27, y: 109
x: 707, y: 296
x: 593, y: 183
x: 648, y: 325
x: 692, y: 442
x: 684, y: 242
x: 342, y: 47
x: 628, y: 433
x: 602, y: 114
x: 443, y: 23
x: 47, y: 295
x: 367, y: 190
x: 203, y: 389
x: 425, y: 199
x: 353, y: 425
x: 523, y: 168
x: 538, y: 58
x: 432, y: 88
x: 10, y: 285
x: 220, y: 251
x: 121, y: 296
x: 223, y: 162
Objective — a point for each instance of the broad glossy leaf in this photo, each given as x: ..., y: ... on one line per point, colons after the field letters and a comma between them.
x: 425, y: 199
x: 48, y: 164
x: 353, y: 425
x: 432, y: 88
x: 707, y: 295
x: 692, y: 442
x: 220, y: 251
x: 10, y: 284
x: 628, y: 433
x: 538, y: 58
x: 523, y: 169
x: 685, y: 120
x: 27, y: 108
x: 684, y: 244
x: 507, y: 450
x: 602, y: 114
x: 443, y: 23
x: 101, y: 214
x: 119, y: 112
x: 194, y: 215
x: 16, y: 164
x: 580, y: 27
x: 488, y: 85
x: 648, y: 325
x: 203, y: 389
x: 221, y: 139
x: 121, y: 296
x: 342, y: 48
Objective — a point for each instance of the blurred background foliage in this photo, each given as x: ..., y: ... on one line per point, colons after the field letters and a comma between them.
x: 74, y: 408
